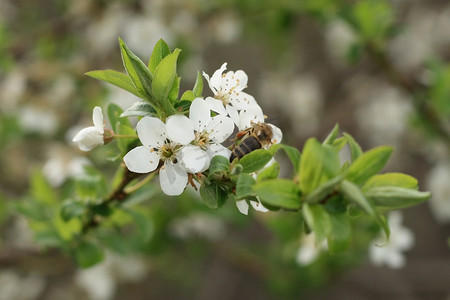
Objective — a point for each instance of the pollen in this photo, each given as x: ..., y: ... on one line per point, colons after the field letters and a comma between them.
x: 162, y: 168
x: 265, y: 116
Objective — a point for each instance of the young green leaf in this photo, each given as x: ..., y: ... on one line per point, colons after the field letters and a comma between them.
x: 114, y: 113
x: 163, y: 80
x: 88, y: 254
x: 353, y: 193
x: 218, y: 164
x: 392, y: 197
x: 182, y: 106
x: 391, y: 179
x: 198, y: 86
x: 270, y: 172
x: 318, y: 164
x: 175, y: 89
x: 116, y: 78
x: 368, y: 164
x: 160, y: 51
x: 138, y: 71
x: 278, y: 193
x: 355, y: 149
x: 188, y: 96
x: 244, y: 185
x: 323, y: 190
x: 144, y: 223
x: 72, y: 209
x: 255, y: 160
x: 318, y: 220
x: 292, y: 153
x: 329, y: 140
x: 139, y: 109
x: 213, y: 195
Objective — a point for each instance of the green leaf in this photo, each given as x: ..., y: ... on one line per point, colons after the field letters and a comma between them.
x: 318, y: 164
x: 139, y: 73
x: 270, y: 172
x: 182, y: 106
x: 355, y: 149
x: 188, y: 96
x: 318, y: 220
x: 339, y: 143
x: 368, y: 164
x: 48, y: 238
x: 116, y: 78
x: 114, y: 241
x: 292, y: 153
x: 198, y: 86
x: 391, y: 179
x: 163, y: 80
x: 341, y: 233
x: 91, y: 186
x: 218, y: 164
x: 329, y: 140
x: 323, y: 190
x: 244, y: 185
x: 255, y: 160
x: 160, y: 51
x: 114, y: 112
x: 213, y: 195
x: 353, y: 193
x: 72, y: 209
x: 392, y: 197
x: 139, y: 109
x: 88, y: 254
x: 175, y: 89
x: 143, y: 222
x: 279, y: 193
x: 41, y: 191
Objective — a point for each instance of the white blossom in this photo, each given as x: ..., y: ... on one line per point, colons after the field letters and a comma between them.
x: 209, y: 133
x: 438, y: 183
x: 309, y: 250
x: 162, y: 142
x: 90, y: 137
x: 401, y: 239
x: 229, y: 98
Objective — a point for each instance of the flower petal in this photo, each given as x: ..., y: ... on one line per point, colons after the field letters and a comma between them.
x: 242, y: 206
x: 234, y: 82
x: 258, y: 206
x: 233, y: 113
x: 252, y: 114
x: 88, y: 138
x: 141, y: 159
x: 180, y: 129
x: 217, y: 149
x: 220, y: 128
x: 242, y: 100
x: 97, y: 118
x: 194, y: 159
x: 242, y: 77
x: 215, y: 81
x: 277, y: 134
x: 216, y: 105
x: 200, y: 114
x: 152, y: 132
x: 173, y: 179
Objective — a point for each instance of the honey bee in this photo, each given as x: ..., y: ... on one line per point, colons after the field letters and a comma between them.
x: 258, y: 136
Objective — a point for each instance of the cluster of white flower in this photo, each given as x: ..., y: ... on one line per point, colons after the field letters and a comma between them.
x: 185, y: 145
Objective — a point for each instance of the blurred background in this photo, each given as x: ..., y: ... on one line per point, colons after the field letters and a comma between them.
x: 379, y: 69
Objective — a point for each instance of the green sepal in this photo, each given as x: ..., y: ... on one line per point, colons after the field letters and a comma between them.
x: 118, y: 79
x: 218, y: 164
x: 282, y: 193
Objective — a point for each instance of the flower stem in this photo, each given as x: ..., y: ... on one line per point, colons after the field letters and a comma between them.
x: 125, y: 136
x: 140, y: 184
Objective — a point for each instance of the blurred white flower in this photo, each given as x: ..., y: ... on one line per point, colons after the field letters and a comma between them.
x: 226, y: 28
x: 23, y: 287
x: 339, y: 37
x: 12, y: 89
x: 63, y: 165
x: 90, y: 137
x: 198, y: 224
x: 401, y: 239
x: 309, y: 250
x: 438, y: 180
x: 142, y: 32
x: 38, y: 120
x: 61, y: 90
x: 100, y: 281
x: 162, y: 142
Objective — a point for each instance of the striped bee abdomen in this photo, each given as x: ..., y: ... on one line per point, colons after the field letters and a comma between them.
x: 246, y: 146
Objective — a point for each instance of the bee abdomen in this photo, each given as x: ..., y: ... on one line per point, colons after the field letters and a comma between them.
x: 245, y: 147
